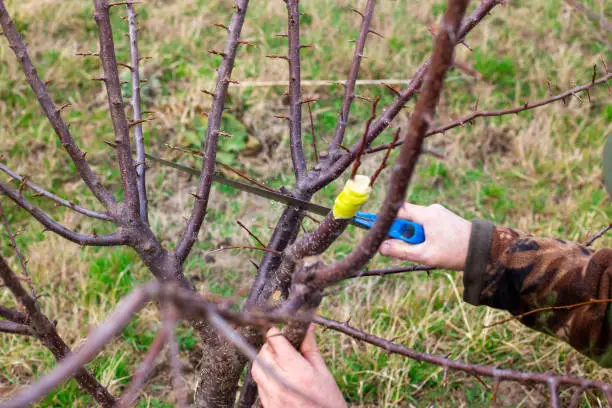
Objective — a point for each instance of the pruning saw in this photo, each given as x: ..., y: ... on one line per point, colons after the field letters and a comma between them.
x: 401, y: 229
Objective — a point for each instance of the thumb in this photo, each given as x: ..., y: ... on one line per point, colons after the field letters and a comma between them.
x: 309, y: 349
x: 401, y: 250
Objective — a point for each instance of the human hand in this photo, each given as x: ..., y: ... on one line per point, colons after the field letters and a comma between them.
x: 447, y: 238
x: 306, y: 372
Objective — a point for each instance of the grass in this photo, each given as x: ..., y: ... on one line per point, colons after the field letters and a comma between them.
x: 539, y: 171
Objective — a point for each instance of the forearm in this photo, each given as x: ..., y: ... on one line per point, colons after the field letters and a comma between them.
x: 510, y: 270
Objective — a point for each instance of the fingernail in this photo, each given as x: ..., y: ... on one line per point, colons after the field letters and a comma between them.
x: 385, y: 247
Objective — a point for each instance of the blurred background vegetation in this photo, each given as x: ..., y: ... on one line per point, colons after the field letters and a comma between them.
x: 539, y: 171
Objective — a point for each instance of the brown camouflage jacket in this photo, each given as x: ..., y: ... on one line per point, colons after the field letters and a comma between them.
x: 514, y: 271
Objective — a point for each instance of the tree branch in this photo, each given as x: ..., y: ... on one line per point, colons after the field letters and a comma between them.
x: 390, y: 271
x: 349, y: 86
x: 113, y: 239
x: 244, y: 227
x: 137, y: 115
x: 116, y: 107
x: 44, y: 193
x: 169, y: 314
x: 190, y: 235
x: 295, y: 93
x: 13, y: 315
x: 338, y: 161
x: 383, y: 163
x: 144, y: 370
x: 311, y: 244
x: 284, y: 234
x: 362, y: 145
x: 15, y: 328
x: 312, y: 133
x: 46, y: 332
x: 489, y: 113
x: 598, y: 235
x: 549, y: 308
x: 490, y: 371
x: 53, y: 114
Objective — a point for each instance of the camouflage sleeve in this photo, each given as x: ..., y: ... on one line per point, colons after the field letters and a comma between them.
x: 514, y: 271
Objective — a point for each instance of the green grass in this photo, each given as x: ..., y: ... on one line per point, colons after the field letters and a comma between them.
x: 538, y: 171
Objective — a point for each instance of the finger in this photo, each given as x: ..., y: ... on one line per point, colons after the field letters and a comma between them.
x: 280, y: 346
x: 266, y: 386
x: 399, y: 249
x: 309, y: 348
x: 258, y: 371
x: 412, y: 212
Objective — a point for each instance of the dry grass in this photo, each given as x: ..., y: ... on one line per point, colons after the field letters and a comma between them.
x: 539, y: 171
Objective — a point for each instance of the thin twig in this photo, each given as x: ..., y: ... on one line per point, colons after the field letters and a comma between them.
x: 391, y: 271
x: 475, y: 369
x: 137, y: 114
x: 244, y: 247
x: 593, y: 16
x: 490, y: 113
x: 576, y: 397
x: 113, y: 239
x: 44, y: 193
x: 250, y: 233
x: 312, y: 132
x: 362, y: 146
x: 245, y: 176
x: 144, y: 370
x: 349, y: 86
x: 598, y: 235
x: 383, y: 164
x: 549, y: 308
x: 313, y: 219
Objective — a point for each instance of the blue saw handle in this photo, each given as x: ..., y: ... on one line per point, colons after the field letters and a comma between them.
x: 407, y: 231
x: 404, y: 230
